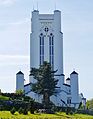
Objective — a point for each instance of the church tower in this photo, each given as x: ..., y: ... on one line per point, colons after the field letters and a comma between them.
x: 46, y: 40
x: 46, y: 44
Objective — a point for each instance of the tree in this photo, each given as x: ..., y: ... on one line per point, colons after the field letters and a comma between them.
x: 46, y: 84
x: 89, y: 104
x: 20, y: 92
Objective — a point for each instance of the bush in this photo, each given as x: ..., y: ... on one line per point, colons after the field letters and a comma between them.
x: 20, y: 110
x: 25, y: 111
x: 69, y: 110
x: 13, y: 110
x: 54, y: 108
x: 32, y: 111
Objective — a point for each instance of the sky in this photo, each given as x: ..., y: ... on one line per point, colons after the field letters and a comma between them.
x: 77, y: 28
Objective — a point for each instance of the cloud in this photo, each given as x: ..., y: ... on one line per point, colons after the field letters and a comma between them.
x: 7, y: 2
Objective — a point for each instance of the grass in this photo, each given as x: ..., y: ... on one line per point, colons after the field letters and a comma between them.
x: 4, y: 97
x: 8, y: 115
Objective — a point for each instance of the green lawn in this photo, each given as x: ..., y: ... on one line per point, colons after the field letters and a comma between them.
x: 8, y: 115
x: 4, y: 97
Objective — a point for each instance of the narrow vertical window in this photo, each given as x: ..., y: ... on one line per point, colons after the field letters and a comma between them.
x: 41, y: 49
x: 51, y: 50
x: 42, y: 45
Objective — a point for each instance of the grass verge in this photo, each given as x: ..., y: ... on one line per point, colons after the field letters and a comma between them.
x: 8, y: 115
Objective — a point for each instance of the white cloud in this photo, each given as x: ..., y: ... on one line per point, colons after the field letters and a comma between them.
x: 7, y: 2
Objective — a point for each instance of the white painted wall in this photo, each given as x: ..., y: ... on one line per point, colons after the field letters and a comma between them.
x: 34, y: 40
x: 53, y: 22
x: 74, y: 89
x: 19, y: 81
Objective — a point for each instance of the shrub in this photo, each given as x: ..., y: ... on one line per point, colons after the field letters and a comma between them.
x: 70, y: 110
x: 32, y: 111
x: 25, y: 111
x: 54, y: 108
x: 20, y: 110
x: 13, y: 110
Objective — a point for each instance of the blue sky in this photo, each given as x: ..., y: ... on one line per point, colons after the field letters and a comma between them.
x: 77, y: 28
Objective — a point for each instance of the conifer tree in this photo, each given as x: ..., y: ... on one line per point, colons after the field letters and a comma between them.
x: 46, y: 84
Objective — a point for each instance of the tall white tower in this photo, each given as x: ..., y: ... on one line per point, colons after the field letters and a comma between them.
x: 46, y: 41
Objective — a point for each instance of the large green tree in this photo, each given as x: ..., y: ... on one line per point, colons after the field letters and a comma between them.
x: 46, y: 84
x: 89, y: 104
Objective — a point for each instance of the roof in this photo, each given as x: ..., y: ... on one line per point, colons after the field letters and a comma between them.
x: 66, y: 85
x: 35, y: 11
x: 74, y: 72
x: 30, y: 74
x: 56, y: 10
x: 20, y: 73
x: 67, y: 79
x: 59, y: 75
x: 27, y: 84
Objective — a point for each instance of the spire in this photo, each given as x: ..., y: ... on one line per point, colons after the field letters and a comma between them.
x: 74, y: 72
x: 20, y: 73
x: 37, y: 5
x: 68, y: 79
x: 33, y: 5
x: 55, y: 5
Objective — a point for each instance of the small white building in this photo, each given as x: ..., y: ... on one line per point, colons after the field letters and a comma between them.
x: 46, y: 44
x: 19, y: 81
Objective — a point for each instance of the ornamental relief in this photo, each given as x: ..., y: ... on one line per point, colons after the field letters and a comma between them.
x: 46, y: 28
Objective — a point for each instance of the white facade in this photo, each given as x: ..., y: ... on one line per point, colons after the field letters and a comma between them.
x: 46, y: 41
x: 46, y: 44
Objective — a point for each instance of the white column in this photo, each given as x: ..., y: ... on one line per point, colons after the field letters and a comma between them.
x: 74, y: 88
x: 19, y: 81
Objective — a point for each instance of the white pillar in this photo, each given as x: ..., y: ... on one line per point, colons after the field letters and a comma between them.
x: 19, y: 81
x: 74, y: 88
x: 34, y: 40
